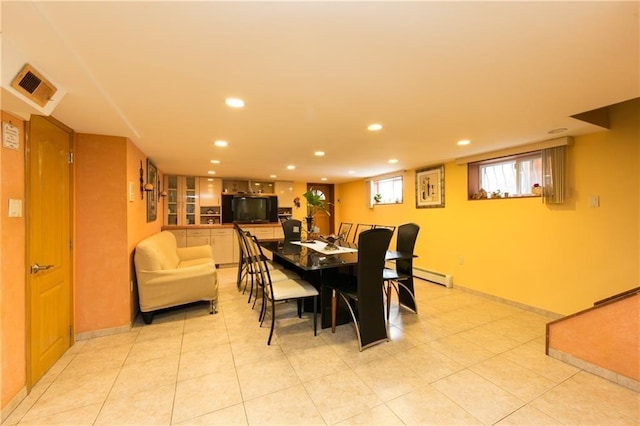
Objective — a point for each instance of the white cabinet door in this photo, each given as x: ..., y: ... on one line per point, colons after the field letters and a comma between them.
x: 224, y: 250
x: 198, y: 237
x: 284, y: 191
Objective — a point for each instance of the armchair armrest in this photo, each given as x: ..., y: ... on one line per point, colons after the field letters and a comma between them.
x: 195, y: 252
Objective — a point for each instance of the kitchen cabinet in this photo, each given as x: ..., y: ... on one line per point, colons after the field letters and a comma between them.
x: 181, y: 206
x: 284, y: 191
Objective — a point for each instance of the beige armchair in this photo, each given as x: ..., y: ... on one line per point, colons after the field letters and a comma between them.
x: 168, y: 275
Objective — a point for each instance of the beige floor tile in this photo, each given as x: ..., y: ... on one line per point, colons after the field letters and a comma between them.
x: 142, y: 376
x: 91, y: 362
x: 587, y: 399
x: 344, y: 342
x: 515, y: 379
x: 264, y: 377
x: 430, y: 364
x: 171, y: 326
x: 205, y: 394
x: 389, y: 378
x: 399, y: 340
x: 315, y: 362
x: 230, y: 416
x: 377, y: 416
x: 341, y: 395
x: 253, y: 349
x: 484, y: 400
x: 427, y: 406
x: 150, y: 407
x: 78, y: 416
x: 269, y: 409
x: 205, y: 361
x: 294, y: 334
x: 161, y: 347
x: 536, y: 360
x: 202, y: 339
x: 461, y: 350
x: 64, y: 395
x: 489, y: 339
x: 528, y: 416
x: 106, y: 342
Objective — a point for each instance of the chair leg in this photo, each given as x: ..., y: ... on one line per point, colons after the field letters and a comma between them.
x: 388, y: 291
x: 273, y: 321
x: 315, y: 315
x: 334, y: 307
x: 299, y: 308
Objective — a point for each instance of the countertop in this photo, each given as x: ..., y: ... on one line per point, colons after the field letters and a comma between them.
x: 222, y: 226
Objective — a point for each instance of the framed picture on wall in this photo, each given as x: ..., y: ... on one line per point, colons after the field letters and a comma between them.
x: 430, y: 187
x: 152, y: 196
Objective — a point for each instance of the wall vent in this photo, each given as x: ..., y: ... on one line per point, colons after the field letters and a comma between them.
x: 34, y: 85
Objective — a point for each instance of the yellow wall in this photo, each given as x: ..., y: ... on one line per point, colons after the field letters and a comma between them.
x: 557, y: 258
x: 12, y: 277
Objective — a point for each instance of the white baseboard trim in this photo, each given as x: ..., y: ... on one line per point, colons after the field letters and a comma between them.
x: 104, y: 332
x: 552, y: 315
x: 6, y: 411
x: 612, y: 376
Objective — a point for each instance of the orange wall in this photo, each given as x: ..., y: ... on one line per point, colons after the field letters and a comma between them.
x: 137, y: 226
x: 606, y: 336
x: 12, y: 259
x: 557, y: 258
x: 108, y: 227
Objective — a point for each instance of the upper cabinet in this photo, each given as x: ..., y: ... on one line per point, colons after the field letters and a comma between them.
x: 210, y: 191
x: 182, y: 200
x: 284, y: 191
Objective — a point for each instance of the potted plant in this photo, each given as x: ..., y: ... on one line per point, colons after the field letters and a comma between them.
x: 314, y: 205
x: 377, y: 198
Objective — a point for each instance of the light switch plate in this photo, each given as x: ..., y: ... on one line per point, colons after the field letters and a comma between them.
x: 15, y: 207
x: 594, y: 201
x: 131, y: 192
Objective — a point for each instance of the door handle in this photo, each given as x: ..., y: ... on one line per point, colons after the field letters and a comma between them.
x: 35, y: 268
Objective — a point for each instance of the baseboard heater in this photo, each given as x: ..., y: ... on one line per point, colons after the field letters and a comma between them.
x: 435, y: 277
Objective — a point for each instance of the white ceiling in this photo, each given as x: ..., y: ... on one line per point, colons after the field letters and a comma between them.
x: 315, y: 74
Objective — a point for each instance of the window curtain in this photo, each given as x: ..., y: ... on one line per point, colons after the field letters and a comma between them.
x: 553, y: 170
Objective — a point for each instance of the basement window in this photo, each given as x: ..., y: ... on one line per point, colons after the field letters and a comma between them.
x: 505, y: 177
x: 386, y: 190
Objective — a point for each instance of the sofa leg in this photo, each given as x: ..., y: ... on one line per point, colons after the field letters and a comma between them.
x: 212, y: 308
x: 147, y: 317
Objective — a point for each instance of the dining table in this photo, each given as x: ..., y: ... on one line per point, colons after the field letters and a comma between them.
x: 318, y: 261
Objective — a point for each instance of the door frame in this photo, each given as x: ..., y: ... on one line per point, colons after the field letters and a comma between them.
x: 28, y: 249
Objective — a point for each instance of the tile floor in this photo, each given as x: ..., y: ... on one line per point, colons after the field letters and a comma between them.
x: 463, y: 360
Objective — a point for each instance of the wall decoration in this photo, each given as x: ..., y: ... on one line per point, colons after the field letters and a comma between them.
x: 430, y: 187
x: 152, y: 195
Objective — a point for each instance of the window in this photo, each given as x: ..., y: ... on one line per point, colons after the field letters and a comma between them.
x: 513, y: 176
x: 387, y: 190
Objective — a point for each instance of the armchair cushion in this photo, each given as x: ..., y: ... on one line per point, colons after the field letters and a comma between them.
x: 171, y: 276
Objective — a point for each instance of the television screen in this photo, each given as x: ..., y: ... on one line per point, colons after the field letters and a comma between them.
x: 248, y: 209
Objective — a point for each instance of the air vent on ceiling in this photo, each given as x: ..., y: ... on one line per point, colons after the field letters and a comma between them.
x: 34, y: 85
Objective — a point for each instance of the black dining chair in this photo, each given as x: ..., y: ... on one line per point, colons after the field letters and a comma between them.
x: 279, y: 290
x: 392, y: 227
x: 363, y: 293
x: 403, y: 272
x: 360, y: 227
x: 292, y: 229
x: 344, y: 230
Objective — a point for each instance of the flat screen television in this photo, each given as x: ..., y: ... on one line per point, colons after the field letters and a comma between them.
x: 254, y: 209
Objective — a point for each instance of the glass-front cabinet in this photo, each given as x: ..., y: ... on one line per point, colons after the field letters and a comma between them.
x: 182, y: 200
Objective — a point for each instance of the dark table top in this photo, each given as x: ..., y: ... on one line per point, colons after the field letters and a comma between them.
x: 309, y: 259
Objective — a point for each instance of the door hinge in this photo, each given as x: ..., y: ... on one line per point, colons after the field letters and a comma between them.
x: 70, y: 331
x: 70, y: 245
x: 70, y: 159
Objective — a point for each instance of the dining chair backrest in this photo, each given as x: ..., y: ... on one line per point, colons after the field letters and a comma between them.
x: 292, y: 229
x: 344, y: 230
x: 392, y: 227
x: 405, y: 243
x: 361, y: 227
x: 372, y: 248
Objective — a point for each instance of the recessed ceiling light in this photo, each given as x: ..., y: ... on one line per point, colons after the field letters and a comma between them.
x: 234, y: 102
x: 215, y: 161
x: 558, y: 130
x: 220, y: 143
x: 291, y: 167
x: 273, y: 176
x: 211, y: 172
x: 351, y: 172
x: 375, y: 127
x: 209, y: 180
x: 464, y: 142
x: 323, y: 179
x: 318, y: 153
x: 393, y: 161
